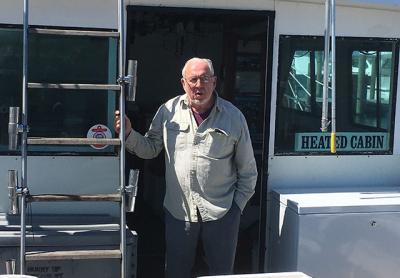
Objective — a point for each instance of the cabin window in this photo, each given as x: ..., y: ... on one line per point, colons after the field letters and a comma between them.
x: 372, y: 71
x: 56, y: 112
x: 365, y: 85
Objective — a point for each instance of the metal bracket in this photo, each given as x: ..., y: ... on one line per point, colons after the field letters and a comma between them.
x: 325, y: 124
x: 130, y: 80
x: 14, y: 128
x: 126, y: 80
x: 23, y: 191
x: 131, y: 190
x: 10, y: 266
x: 13, y: 207
x: 132, y: 74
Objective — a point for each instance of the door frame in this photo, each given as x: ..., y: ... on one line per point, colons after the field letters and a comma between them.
x: 263, y: 176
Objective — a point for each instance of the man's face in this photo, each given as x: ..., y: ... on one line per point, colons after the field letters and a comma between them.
x: 198, y: 83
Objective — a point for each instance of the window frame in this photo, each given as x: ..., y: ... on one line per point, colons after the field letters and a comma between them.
x: 314, y: 48
x: 110, y: 150
x: 378, y: 102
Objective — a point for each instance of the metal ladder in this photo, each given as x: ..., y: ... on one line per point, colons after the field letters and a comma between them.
x: 17, y: 129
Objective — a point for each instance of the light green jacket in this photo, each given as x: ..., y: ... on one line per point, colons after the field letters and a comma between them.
x: 207, y: 166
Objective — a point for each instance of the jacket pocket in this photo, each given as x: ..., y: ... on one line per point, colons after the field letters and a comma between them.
x: 176, y: 136
x: 218, y: 143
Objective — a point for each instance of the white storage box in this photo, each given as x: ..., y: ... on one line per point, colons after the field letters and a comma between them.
x: 336, y: 232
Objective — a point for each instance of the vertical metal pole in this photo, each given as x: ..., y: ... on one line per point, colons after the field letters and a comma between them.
x: 333, y: 42
x: 324, y: 118
x: 24, y: 133
x: 121, y: 71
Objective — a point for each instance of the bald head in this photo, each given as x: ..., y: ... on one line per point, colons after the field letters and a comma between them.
x: 201, y: 60
x: 198, y: 82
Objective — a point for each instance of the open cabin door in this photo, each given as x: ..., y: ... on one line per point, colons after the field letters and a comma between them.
x: 239, y: 44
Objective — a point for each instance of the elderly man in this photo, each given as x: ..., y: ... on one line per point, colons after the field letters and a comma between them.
x: 210, y: 170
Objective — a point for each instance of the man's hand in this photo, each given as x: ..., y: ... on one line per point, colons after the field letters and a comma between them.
x: 117, y: 124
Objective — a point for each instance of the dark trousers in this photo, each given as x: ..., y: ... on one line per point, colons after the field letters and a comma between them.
x: 219, y: 240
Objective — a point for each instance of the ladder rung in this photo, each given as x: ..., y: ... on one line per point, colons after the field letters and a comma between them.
x: 73, y: 141
x: 70, y: 227
x: 112, y: 87
x: 72, y: 198
x: 73, y: 255
x: 74, y: 32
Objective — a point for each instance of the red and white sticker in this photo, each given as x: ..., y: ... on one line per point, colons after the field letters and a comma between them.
x: 99, y: 131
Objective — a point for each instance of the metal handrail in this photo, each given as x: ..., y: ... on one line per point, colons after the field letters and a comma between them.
x: 324, y: 117
x: 121, y: 73
x: 333, y: 103
x: 24, y: 135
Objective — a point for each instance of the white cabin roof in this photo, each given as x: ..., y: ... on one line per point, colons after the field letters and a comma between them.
x: 374, y: 4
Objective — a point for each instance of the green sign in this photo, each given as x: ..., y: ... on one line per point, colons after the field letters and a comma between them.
x: 345, y: 141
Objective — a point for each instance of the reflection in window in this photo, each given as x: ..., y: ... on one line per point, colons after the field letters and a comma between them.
x: 371, y: 72
x: 364, y: 91
x: 305, y: 82
x: 58, y: 59
x: 298, y: 92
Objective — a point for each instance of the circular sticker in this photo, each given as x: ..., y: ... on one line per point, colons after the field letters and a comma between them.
x: 101, y: 132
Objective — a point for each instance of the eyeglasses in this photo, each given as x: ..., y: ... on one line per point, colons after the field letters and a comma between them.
x: 203, y: 79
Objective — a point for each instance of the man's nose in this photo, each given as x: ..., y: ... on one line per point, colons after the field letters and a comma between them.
x: 198, y: 83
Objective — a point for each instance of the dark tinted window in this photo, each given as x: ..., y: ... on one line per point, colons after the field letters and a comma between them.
x: 365, y: 82
x: 55, y: 59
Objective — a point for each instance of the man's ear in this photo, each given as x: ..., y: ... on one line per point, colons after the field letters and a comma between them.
x: 183, y: 82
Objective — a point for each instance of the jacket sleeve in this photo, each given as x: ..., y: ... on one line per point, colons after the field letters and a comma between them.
x: 151, y: 144
x: 246, y: 167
